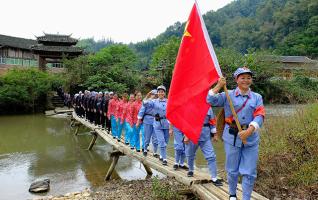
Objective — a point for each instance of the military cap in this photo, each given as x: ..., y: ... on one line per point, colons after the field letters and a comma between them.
x: 242, y: 70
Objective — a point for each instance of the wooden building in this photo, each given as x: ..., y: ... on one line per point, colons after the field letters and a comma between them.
x: 17, y: 51
x: 289, y: 65
x: 52, y: 48
x: 47, y: 50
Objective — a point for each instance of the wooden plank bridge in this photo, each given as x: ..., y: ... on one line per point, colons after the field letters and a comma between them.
x: 200, y: 184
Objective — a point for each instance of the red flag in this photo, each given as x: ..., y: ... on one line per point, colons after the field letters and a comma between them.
x: 196, y: 69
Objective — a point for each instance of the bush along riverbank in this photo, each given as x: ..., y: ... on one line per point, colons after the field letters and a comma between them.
x: 25, y: 90
x: 288, y: 167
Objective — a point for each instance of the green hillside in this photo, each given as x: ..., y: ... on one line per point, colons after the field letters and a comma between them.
x: 286, y: 27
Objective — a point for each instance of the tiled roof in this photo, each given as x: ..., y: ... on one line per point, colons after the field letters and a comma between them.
x: 57, y: 38
x: 16, y: 42
x: 295, y: 59
x: 66, y: 49
x: 289, y: 59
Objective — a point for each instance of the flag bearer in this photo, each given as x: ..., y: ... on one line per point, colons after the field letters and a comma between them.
x: 205, y: 144
x: 241, y: 159
x: 160, y: 124
x: 146, y: 117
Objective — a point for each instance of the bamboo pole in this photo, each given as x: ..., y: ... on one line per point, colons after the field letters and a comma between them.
x: 233, y: 111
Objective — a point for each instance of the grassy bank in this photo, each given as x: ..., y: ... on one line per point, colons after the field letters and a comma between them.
x: 288, y: 166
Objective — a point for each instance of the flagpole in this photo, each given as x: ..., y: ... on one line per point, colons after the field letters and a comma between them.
x: 233, y: 111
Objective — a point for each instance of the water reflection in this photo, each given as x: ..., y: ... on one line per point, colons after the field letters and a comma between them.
x: 34, y: 147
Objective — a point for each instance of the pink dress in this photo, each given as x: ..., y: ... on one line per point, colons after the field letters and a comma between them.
x: 120, y: 109
x: 136, y: 106
x: 129, y: 114
x: 112, y: 107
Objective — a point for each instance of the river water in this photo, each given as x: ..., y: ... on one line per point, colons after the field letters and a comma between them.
x: 35, y: 147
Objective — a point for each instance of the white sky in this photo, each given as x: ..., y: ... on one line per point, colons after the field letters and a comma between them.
x: 121, y: 20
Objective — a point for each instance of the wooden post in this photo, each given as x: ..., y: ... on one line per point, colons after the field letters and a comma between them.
x: 233, y: 111
x: 148, y: 169
x: 42, y: 63
x: 77, y: 129
x: 72, y: 122
x: 115, y: 155
x: 93, y: 140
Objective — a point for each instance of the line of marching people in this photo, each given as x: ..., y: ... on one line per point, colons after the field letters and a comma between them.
x: 145, y: 119
x: 148, y: 117
x: 93, y: 107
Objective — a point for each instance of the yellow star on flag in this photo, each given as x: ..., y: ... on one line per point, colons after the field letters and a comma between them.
x: 186, y: 33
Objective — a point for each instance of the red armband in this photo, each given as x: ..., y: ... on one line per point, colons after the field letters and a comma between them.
x: 212, y: 122
x: 260, y: 110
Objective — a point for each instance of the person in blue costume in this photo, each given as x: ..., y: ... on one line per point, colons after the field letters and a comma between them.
x: 179, y: 147
x: 241, y: 159
x: 205, y: 144
x: 160, y: 124
x: 146, y: 117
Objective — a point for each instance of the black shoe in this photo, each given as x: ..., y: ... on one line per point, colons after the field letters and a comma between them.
x: 138, y: 150
x: 144, y: 153
x: 114, y: 137
x: 126, y: 143
x: 233, y: 197
x: 161, y: 159
x: 184, y: 167
x: 217, y: 182
x: 142, y: 150
x: 132, y: 148
x: 175, y: 166
x: 190, y: 174
x: 164, y: 163
x: 155, y: 155
x: 118, y: 140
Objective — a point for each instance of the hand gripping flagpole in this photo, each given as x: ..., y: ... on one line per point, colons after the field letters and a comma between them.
x: 237, y: 122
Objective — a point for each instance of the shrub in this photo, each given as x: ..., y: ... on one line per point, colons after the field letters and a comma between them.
x: 24, y: 90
